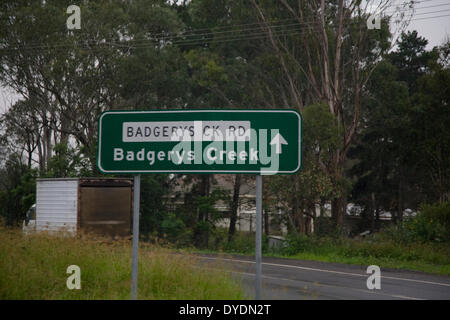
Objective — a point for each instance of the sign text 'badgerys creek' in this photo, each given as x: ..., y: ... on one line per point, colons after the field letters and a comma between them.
x: 227, y: 141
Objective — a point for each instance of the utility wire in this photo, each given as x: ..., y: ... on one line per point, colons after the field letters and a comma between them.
x: 197, y: 38
x: 192, y: 32
x: 253, y: 36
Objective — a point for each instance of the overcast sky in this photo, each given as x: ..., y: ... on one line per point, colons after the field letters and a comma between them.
x: 433, y: 28
x: 431, y: 20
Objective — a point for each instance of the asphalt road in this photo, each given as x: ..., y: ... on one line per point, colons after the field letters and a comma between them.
x: 288, y: 279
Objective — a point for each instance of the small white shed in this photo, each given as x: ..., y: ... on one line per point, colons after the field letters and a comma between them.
x: 93, y: 205
x: 57, y: 204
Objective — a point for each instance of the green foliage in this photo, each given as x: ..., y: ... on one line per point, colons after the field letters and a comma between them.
x: 242, y: 242
x: 388, y: 253
x: 432, y: 224
x: 64, y: 163
x: 124, y: 57
x: 153, y: 207
x: 207, y: 71
x: 428, y: 257
x: 17, y: 190
x: 439, y: 213
x: 321, y: 132
x: 321, y: 139
x: 403, y: 130
x: 174, y: 230
x: 326, y: 228
x: 296, y: 244
x: 411, y: 57
x: 429, y: 125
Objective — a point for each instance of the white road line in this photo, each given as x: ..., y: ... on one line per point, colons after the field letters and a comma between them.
x: 329, y: 271
x: 328, y: 285
x: 320, y: 284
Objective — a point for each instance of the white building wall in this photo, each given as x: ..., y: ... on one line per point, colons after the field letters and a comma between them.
x: 56, y: 205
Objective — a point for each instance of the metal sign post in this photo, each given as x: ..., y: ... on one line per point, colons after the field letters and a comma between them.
x: 258, y: 236
x: 134, y: 263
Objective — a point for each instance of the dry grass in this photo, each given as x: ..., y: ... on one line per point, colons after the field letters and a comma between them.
x: 34, y: 267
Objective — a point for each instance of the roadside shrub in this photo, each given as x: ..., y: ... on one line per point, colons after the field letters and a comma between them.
x: 296, y: 244
x: 242, y: 242
x: 172, y: 227
x: 432, y: 223
x: 326, y: 227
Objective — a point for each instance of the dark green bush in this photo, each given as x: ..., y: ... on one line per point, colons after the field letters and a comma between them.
x: 432, y: 223
x: 172, y: 227
x: 296, y: 244
x: 242, y: 242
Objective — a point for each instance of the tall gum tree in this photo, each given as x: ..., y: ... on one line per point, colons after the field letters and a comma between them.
x: 75, y: 75
x: 329, y: 57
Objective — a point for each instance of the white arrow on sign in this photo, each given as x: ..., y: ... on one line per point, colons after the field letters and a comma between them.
x: 278, y: 140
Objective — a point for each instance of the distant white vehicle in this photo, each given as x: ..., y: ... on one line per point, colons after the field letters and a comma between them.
x: 29, y: 224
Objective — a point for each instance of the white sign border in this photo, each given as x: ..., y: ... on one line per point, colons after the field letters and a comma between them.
x: 263, y: 172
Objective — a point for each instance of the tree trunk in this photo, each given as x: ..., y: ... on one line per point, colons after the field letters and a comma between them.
x: 234, y: 206
x: 206, y: 214
x: 373, y: 209
x: 48, y: 145
x: 293, y: 216
x: 41, y: 159
x: 400, y: 199
x: 200, y: 234
x: 266, y: 221
x: 337, y: 212
x: 297, y: 211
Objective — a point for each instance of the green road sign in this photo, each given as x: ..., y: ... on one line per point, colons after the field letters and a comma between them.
x: 200, y: 141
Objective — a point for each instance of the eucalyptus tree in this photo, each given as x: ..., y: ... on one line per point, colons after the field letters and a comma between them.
x: 402, y: 151
x: 326, y: 53
x: 74, y: 75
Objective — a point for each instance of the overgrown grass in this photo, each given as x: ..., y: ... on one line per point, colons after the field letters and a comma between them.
x: 34, y: 267
x: 425, y: 257
x: 379, y: 250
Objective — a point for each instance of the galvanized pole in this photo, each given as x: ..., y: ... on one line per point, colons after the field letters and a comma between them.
x: 258, y: 235
x: 134, y: 263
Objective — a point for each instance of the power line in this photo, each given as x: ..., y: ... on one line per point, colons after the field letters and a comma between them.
x: 290, y: 19
x: 253, y: 36
x: 192, y: 32
x: 273, y: 24
x: 422, y: 13
x: 435, y: 17
x: 214, y: 34
x: 194, y: 38
x: 259, y: 35
x: 415, y: 9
